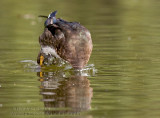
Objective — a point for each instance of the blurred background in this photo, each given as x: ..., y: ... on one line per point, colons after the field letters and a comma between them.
x: 126, y: 40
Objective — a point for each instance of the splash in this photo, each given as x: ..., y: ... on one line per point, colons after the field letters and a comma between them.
x: 66, y: 69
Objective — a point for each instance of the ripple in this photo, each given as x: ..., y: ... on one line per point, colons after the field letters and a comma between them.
x: 32, y: 66
x: 47, y: 93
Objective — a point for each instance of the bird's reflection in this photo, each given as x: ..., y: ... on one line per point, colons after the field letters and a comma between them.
x: 64, y: 95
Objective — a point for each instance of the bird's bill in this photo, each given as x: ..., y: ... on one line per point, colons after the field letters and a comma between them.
x: 41, y: 60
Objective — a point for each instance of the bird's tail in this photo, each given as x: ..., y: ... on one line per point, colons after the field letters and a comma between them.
x: 53, y: 14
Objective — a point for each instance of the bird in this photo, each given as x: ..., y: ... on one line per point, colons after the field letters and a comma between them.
x: 64, y: 41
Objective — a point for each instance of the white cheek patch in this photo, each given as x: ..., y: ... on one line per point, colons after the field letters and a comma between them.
x: 48, y: 50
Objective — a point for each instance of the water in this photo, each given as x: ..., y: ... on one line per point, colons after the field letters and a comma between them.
x: 122, y: 77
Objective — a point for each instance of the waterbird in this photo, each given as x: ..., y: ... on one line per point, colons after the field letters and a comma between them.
x: 66, y: 41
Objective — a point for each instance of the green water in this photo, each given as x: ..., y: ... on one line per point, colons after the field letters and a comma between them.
x: 121, y: 80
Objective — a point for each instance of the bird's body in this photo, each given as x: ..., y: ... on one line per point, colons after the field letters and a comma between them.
x: 62, y: 40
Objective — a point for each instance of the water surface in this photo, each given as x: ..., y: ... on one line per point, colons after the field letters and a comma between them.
x: 122, y: 77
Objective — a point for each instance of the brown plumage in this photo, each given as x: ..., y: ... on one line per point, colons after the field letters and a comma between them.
x: 71, y: 41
